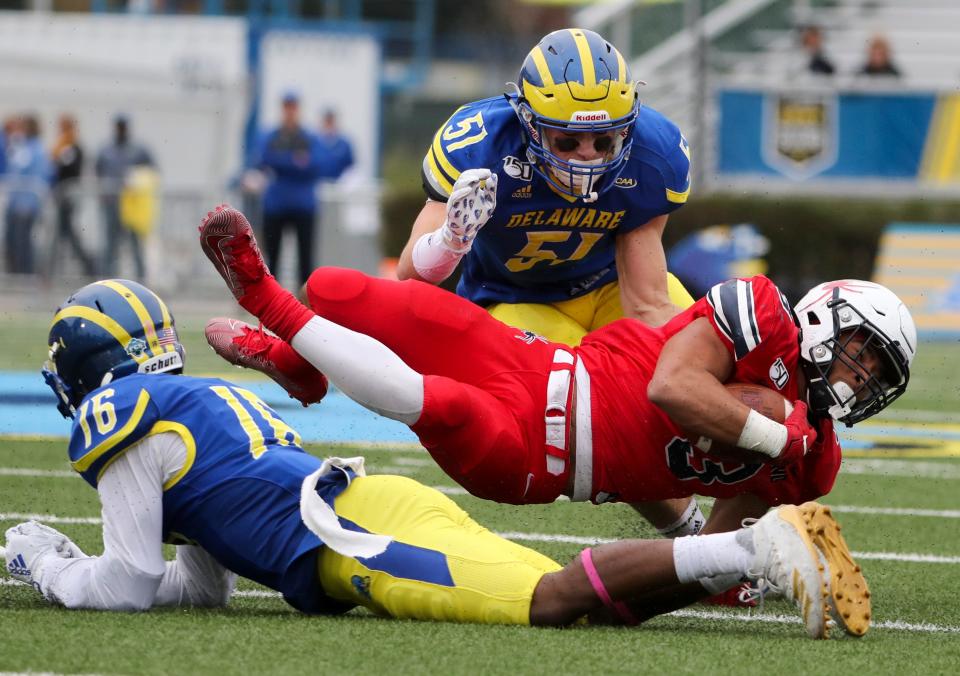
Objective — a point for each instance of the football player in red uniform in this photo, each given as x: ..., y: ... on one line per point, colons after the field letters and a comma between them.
x: 517, y: 419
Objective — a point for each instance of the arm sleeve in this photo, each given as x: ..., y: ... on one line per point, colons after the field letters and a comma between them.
x: 131, y: 574
x: 126, y: 576
x: 195, y: 579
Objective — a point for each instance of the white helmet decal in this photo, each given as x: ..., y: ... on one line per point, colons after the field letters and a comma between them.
x: 880, y: 320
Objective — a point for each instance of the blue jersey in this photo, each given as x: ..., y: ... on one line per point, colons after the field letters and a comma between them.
x: 238, y: 495
x: 297, y: 161
x: 541, y: 246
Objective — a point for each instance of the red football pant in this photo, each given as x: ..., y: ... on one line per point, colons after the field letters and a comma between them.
x: 484, y: 382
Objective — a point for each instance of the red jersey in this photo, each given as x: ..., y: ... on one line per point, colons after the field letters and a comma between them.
x: 640, y: 454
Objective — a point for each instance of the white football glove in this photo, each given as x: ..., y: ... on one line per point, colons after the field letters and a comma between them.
x: 471, y: 204
x: 29, y: 543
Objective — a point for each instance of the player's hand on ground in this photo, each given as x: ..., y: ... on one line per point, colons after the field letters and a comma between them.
x: 471, y: 204
x: 801, y: 436
x: 28, y: 543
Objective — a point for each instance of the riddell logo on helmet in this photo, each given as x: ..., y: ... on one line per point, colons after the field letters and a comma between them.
x: 590, y: 116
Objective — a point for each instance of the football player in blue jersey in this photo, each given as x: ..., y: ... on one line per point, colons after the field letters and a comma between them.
x: 571, y: 180
x: 209, y: 466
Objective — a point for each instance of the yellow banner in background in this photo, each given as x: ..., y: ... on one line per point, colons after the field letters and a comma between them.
x: 941, y: 154
x: 919, y: 262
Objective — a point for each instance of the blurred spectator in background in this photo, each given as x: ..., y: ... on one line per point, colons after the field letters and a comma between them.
x: 116, y: 163
x: 879, y: 59
x: 67, y: 158
x: 811, y: 39
x: 336, y: 148
x: 27, y: 181
x: 3, y: 150
x: 293, y: 160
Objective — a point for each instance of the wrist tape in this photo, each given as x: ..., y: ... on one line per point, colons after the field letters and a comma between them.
x: 763, y: 435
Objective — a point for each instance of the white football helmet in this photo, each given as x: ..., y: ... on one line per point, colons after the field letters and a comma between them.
x: 830, y: 316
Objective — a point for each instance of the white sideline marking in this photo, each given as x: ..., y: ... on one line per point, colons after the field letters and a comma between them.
x: 790, y: 619
x: 457, y: 490
x: 906, y: 468
x: 41, y: 673
x: 898, y: 511
x: 908, y: 557
x: 451, y: 490
x: 919, y: 415
x: 897, y: 625
x: 52, y: 473
x: 258, y: 594
x: 49, y: 518
x: 415, y: 462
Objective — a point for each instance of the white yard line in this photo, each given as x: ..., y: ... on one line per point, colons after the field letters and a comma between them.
x: 906, y: 468
x: 897, y: 511
x: 408, y: 465
x: 908, y: 557
x: 28, y: 472
x: 790, y: 619
x: 49, y: 518
x: 734, y: 616
x: 918, y: 415
x: 258, y: 594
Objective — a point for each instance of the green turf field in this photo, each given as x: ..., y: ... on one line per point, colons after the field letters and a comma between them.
x: 260, y: 633
x: 900, y: 514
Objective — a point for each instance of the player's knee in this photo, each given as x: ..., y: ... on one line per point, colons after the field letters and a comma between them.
x: 335, y: 284
x: 556, y: 601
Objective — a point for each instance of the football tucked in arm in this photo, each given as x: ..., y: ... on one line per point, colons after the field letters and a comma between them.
x: 764, y: 401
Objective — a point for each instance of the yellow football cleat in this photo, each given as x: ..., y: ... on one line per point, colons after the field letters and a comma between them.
x: 787, y: 562
x: 849, y: 596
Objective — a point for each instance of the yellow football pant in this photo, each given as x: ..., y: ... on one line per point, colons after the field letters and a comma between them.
x: 442, y: 565
x: 568, y: 321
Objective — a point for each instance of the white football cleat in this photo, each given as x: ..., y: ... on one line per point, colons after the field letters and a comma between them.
x: 786, y: 560
x: 849, y: 596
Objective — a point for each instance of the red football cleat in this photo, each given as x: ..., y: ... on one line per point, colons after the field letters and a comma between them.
x: 735, y: 597
x: 227, y: 238
x: 249, y: 346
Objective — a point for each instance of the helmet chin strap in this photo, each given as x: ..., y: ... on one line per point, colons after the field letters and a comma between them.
x: 844, y: 393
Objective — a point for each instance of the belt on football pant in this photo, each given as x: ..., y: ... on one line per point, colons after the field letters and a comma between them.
x: 562, y: 401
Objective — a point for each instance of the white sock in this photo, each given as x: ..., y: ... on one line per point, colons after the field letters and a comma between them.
x: 699, y: 556
x: 690, y: 522
x: 363, y: 368
x: 720, y: 583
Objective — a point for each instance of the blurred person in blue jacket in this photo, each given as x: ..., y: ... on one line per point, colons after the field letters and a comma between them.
x: 27, y: 176
x: 294, y: 160
x: 715, y: 254
x: 115, y: 162
x: 337, y: 150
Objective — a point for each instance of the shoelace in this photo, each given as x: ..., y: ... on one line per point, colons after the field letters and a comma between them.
x: 756, y: 592
x: 761, y: 585
x: 253, y: 344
